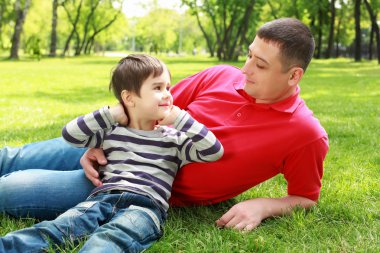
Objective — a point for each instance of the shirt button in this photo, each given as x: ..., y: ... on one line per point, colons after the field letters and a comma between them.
x: 238, y: 114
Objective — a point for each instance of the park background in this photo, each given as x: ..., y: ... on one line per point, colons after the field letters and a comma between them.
x: 56, y: 65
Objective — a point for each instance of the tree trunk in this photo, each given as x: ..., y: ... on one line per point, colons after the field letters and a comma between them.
x: 370, y: 45
x: 331, y: 33
x: 88, y: 19
x: 2, y: 11
x: 53, y: 35
x: 97, y: 31
x: 375, y: 28
x: 337, y: 53
x: 74, y: 23
x: 358, y: 52
x: 319, y: 41
x: 20, y: 18
x: 210, y: 47
x: 272, y: 10
x: 242, y: 31
x: 295, y: 8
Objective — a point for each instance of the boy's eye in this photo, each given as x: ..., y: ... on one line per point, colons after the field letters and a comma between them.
x: 259, y: 66
x: 249, y: 56
x: 157, y: 88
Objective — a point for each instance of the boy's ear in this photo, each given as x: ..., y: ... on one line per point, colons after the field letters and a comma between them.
x: 128, y: 98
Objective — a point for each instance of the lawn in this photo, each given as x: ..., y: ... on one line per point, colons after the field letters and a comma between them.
x: 38, y: 98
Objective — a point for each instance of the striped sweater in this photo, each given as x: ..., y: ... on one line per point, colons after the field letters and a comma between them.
x: 143, y: 162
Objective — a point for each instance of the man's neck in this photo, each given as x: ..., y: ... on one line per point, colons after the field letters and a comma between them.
x: 286, y: 94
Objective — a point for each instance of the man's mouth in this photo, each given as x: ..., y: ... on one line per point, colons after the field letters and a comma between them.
x: 249, y: 81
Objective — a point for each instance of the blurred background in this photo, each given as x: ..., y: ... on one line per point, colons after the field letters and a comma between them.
x: 218, y: 28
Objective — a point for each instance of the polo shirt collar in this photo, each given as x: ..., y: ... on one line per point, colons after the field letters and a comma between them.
x: 288, y: 105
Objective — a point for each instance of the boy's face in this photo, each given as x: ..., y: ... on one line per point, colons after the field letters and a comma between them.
x: 155, y: 100
x: 266, y: 80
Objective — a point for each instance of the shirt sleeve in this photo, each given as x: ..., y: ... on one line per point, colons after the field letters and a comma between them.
x: 186, y: 90
x: 303, y: 169
x: 199, y: 144
x: 88, y: 130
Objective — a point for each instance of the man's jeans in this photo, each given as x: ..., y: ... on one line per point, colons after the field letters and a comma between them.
x: 114, y: 222
x: 42, y: 179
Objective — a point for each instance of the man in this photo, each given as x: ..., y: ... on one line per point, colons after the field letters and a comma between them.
x: 263, y: 124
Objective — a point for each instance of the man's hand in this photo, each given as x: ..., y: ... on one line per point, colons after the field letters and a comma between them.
x: 90, y: 162
x: 245, y: 215
x: 171, y: 117
x: 248, y: 214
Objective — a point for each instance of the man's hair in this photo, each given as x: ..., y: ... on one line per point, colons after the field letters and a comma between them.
x: 295, y: 41
x: 132, y: 71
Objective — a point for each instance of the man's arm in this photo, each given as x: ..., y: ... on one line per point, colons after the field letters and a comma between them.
x: 303, y: 171
x: 248, y: 214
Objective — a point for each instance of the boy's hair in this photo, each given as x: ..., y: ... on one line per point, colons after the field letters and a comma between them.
x: 132, y: 71
x: 295, y: 41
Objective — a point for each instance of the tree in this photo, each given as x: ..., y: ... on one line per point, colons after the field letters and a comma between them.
x: 97, y: 28
x: 156, y: 34
x: 53, y: 37
x: 230, y: 22
x: 21, y: 11
x: 330, y: 44
x: 101, y: 21
x: 374, y: 30
x: 3, y: 19
x: 91, y: 18
x: 358, y: 40
x: 73, y: 21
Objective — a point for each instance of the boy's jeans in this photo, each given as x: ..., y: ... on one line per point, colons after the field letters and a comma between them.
x: 48, y: 179
x: 114, y: 222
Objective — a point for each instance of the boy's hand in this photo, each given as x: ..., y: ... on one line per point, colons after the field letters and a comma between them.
x: 170, y: 118
x: 119, y: 114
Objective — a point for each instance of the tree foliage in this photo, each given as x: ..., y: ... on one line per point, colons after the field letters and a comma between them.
x: 224, y: 23
x: 223, y: 28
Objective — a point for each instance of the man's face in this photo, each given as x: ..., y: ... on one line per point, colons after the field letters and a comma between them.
x: 266, y: 79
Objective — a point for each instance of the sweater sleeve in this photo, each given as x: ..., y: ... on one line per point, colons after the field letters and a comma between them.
x: 88, y: 130
x: 199, y: 144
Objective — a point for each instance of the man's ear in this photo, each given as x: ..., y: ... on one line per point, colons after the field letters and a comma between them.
x: 128, y: 98
x: 295, y: 76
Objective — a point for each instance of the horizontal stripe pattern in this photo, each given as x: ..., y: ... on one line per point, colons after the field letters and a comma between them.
x: 144, y: 162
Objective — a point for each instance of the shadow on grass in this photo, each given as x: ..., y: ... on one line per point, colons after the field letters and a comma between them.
x: 87, y: 95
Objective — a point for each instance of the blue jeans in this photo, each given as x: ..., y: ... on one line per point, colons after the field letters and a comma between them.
x: 114, y: 222
x: 42, y: 179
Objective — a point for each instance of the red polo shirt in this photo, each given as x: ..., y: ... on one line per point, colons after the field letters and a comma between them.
x: 259, y: 140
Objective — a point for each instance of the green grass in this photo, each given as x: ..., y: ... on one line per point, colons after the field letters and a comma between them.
x: 38, y: 98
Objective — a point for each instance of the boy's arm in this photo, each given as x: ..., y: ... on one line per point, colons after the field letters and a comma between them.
x: 88, y: 130
x: 198, y: 144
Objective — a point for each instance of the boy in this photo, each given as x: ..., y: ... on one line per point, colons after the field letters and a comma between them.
x: 125, y: 213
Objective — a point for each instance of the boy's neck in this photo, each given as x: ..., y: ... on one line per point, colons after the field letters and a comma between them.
x: 142, y: 124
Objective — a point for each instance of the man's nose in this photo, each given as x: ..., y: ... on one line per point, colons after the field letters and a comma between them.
x: 246, y: 69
